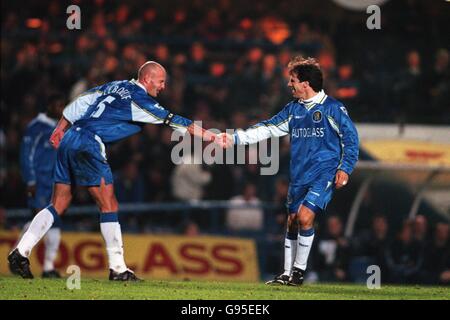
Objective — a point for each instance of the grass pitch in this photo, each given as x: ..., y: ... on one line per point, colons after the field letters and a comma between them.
x: 91, y: 289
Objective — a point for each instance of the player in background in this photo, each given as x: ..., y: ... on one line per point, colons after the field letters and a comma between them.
x: 102, y: 115
x: 324, y: 151
x: 37, y: 161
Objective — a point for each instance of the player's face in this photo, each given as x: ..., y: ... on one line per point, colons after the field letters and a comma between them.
x: 298, y: 88
x: 157, y: 82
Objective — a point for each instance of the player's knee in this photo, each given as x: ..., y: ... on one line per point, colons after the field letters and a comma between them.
x: 110, y: 205
x: 60, y: 207
x: 61, y: 200
x: 305, y: 220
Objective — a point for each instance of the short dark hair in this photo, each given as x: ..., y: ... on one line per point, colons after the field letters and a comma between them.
x: 307, y: 70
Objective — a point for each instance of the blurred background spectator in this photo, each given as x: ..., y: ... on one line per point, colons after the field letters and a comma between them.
x: 332, y: 252
x: 369, y: 247
x: 189, y: 179
x: 404, y: 257
x: 436, y: 269
x: 420, y: 231
x: 245, y: 219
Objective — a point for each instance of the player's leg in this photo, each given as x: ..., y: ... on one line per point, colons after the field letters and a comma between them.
x: 290, y: 249
x: 41, y: 223
x: 34, y: 211
x: 89, y: 168
x: 305, y: 219
x: 52, y: 240
x: 111, y: 231
x: 290, y: 244
x: 315, y: 201
x: 53, y: 236
x: 62, y: 195
x: 295, y: 197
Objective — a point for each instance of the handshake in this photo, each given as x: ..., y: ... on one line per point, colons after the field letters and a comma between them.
x: 225, y: 140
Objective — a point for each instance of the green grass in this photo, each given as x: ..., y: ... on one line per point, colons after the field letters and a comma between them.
x: 16, y: 288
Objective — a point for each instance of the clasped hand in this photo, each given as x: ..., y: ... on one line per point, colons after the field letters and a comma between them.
x: 225, y: 140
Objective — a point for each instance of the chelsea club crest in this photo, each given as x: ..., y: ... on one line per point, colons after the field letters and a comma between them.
x: 317, y: 116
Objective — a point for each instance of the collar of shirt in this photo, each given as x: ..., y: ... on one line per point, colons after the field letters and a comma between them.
x: 42, y: 117
x: 318, y: 98
x: 138, y: 84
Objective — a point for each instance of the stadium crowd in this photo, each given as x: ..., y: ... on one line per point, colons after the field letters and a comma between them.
x: 225, y: 62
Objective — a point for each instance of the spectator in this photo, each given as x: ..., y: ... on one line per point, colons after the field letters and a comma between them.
x: 198, y: 59
x: 191, y: 229
x: 189, y: 179
x: 162, y: 54
x: 368, y: 248
x: 245, y: 219
x: 404, y: 257
x: 332, y: 252
x: 439, y: 81
x: 420, y: 230
x: 436, y: 268
x: 408, y: 88
x: 347, y: 87
x: 269, y: 67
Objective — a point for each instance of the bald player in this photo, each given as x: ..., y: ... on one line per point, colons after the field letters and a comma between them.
x: 95, y: 119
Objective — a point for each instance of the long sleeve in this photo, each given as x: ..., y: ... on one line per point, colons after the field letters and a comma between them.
x: 147, y: 110
x: 277, y: 126
x: 341, y: 122
x: 77, y: 108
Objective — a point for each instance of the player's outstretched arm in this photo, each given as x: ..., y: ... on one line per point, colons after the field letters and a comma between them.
x: 277, y: 126
x: 198, y: 131
x: 59, y: 131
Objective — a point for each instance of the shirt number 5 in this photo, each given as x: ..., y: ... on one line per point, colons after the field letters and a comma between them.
x: 101, y: 106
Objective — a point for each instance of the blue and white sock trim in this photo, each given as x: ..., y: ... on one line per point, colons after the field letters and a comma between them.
x: 109, y: 217
x: 306, y: 233
x: 56, y: 218
x: 291, y: 235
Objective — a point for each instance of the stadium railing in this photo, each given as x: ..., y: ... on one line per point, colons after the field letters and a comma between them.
x: 212, y: 206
